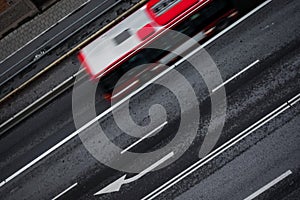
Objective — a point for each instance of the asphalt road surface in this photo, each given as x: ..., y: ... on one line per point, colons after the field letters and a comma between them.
x: 268, y: 39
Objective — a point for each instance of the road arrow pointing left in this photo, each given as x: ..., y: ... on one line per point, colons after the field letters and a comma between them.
x: 116, y: 185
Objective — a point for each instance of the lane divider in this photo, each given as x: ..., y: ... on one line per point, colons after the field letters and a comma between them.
x: 236, y: 75
x: 65, y: 191
x: 269, y: 185
x: 294, y: 100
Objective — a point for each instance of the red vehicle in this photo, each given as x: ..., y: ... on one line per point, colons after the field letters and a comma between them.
x: 123, y: 47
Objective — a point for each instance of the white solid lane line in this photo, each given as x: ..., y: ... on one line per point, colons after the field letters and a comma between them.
x: 293, y: 103
x: 217, y: 152
x: 146, y: 136
x: 294, y: 100
x: 269, y: 185
x: 72, y: 135
x: 65, y: 191
x: 236, y: 75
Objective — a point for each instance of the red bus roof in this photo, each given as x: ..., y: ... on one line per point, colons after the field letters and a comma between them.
x: 163, y: 11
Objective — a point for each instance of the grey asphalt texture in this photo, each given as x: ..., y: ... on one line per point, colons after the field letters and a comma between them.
x: 274, y: 80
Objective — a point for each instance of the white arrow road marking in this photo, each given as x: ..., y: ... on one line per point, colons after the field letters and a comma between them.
x: 116, y: 185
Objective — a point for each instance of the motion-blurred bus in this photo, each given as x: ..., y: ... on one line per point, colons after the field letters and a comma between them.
x: 124, y: 47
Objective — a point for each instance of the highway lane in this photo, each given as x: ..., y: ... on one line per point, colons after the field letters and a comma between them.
x: 71, y: 125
